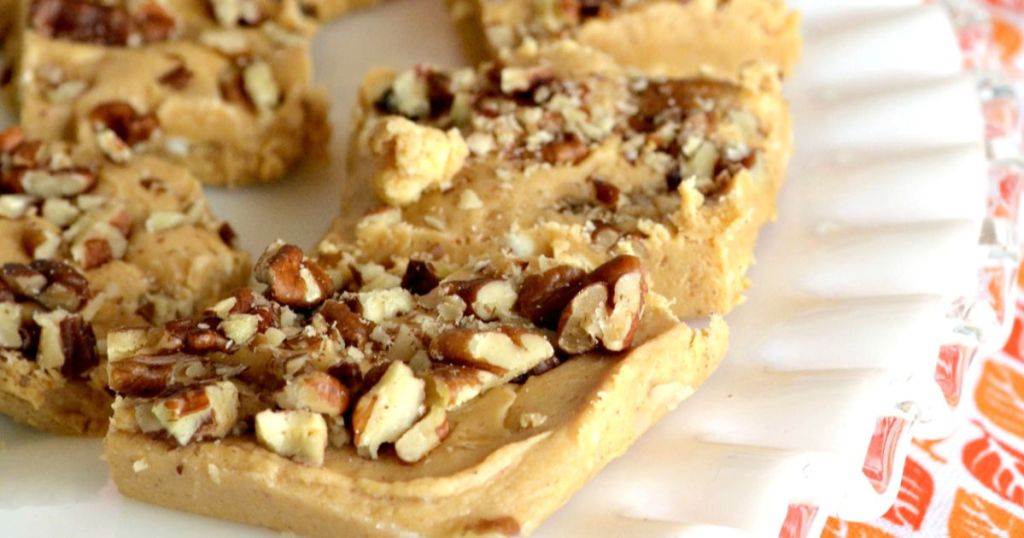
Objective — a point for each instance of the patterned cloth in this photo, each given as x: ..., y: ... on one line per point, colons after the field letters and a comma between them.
x: 971, y: 484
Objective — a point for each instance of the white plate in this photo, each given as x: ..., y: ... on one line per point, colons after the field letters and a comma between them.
x: 878, y: 233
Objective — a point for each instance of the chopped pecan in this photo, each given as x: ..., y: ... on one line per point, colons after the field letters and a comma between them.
x: 606, y: 311
x: 177, y: 77
x: 79, y: 343
x: 300, y: 435
x: 351, y: 326
x: 201, y: 341
x: 67, y: 288
x: 90, y: 22
x: 315, y: 391
x: 424, y: 436
x: 40, y: 243
x: 97, y: 253
x: 10, y: 325
x: 542, y: 297
x: 571, y: 150
x: 486, y: 298
x: 419, y: 277
x: 121, y: 118
x: 57, y: 183
x: 23, y: 280
x: 388, y: 409
x: 11, y: 138
x: 500, y: 351
x: 292, y: 279
x: 607, y: 193
x: 198, y: 413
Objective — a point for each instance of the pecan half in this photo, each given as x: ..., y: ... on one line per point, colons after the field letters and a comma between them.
x: 606, y: 311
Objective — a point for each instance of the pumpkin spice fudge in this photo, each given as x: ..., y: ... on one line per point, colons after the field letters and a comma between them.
x: 658, y: 37
x: 223, y: 88
x: 416, y: 399
x: 570, y: 158
x: 85, y: 246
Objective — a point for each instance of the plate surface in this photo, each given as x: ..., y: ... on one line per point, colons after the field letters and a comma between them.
x: 878, y: 232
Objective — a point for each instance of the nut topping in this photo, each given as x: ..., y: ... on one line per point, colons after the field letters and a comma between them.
x: 486, y: 298
x: 543, y: 297
x: 66, y: 343
x: 10, y: 325
x: 388, y: 409
x: 204, y: 412
x: 352, y: 327
x: 300, y: 435
x: 606, y: 311
x: 419, y: 278
x: 177, y: 78
x: 121, y: 118
x: 412, y: 159
x: 424, y: 436
x: 500, y: 351
x: 292, y: 279
x: 317, y: 392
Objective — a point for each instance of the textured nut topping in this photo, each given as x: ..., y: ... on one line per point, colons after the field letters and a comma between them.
x: 66, y: 343
x: 317, y: 392
x: 486, y: 298
x: 606, y: 311
x: 259, y: 84
x: 177, y: 78
x: 413, y: 159
x: 299, y: 435
x: 125, y: 342
x: 147, y: 376
x: 499, y: 351
x: 353, y: 328
x: 424, y: 436
x: 384, y: 304
x: 205, y: 412
x: 543, y: 297
x: 46, y: 184
x: 121, y: 118
x: 419, y: 278
x: 10, y: 325
x: 240, y: 328
x: 92, y: 22
x: 388, y: 409
x: 292, y: 279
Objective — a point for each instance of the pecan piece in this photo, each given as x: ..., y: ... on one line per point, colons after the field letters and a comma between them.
x: 419, y: 277
x: 353, y: 328
x: 571, y: 150
x: 121, y: 118
x: 317, y: 392
x: 606, y: 311
x: 177, y: 78
x: 427, y: 434
x: 486, y: 298
x: 388, y: 409
x: 66, y: 343
x: 542, y: 297
x: 300, y: 435
x: 199, y: 413
x: 292, y: 279
x: 500, y: 351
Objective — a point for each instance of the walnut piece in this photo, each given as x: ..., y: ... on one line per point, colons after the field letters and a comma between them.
x: 412, y: 159
x: 299, y: 435
x: 606, y: 311
x: 388, y: 409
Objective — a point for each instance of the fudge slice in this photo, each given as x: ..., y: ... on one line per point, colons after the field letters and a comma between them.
x: 553, y: 160
x: 414, y: 399
x: 659, y: 37
x: 85, y: 246
x: 223, y: 91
